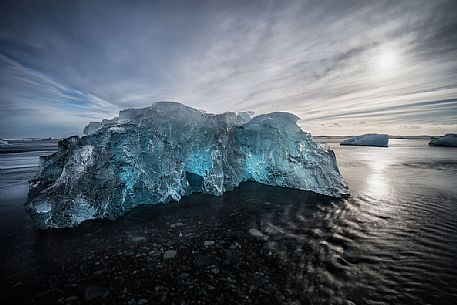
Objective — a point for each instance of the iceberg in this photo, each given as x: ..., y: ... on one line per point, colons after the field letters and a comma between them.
x: 94, y: 126
x: 369, y: 139
x: 166, y: 151
x: 448, y: 140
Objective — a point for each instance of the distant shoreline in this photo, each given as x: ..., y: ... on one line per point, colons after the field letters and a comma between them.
x: 30, y: 139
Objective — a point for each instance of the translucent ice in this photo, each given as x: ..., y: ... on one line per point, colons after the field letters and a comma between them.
x: 167, y: 151
x: 369, y: 139
x: 94, y: 126
x: 448, y: 140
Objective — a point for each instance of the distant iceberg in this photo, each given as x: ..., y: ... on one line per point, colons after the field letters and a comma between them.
x: 369, y: 139
x: 167, y: 151
x: 448, y: 140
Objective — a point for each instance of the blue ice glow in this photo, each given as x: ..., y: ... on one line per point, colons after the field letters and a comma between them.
x: 167, y: 151
x: 200, y: 163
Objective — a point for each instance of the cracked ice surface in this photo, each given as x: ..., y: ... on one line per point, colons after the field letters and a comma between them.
x: 147, y: 155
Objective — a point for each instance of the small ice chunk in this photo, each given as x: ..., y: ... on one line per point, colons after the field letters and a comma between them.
x: 137, y: 238
x: 175, y: 225
x: 169, y: 254
x: 258, y: 234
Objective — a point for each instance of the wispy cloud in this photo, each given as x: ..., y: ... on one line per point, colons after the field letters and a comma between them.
x: 319, y: 60
x: 32, y: 99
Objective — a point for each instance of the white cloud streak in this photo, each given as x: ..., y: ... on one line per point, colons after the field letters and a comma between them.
x: 316, y: 59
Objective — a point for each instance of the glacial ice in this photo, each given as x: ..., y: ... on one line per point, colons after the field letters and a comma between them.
x: 369, y: 139
x: 448, y: 140
x: 94, y: 126
x: 167, y: 151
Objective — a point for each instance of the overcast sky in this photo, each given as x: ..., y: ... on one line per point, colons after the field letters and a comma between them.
x: 344, y: 67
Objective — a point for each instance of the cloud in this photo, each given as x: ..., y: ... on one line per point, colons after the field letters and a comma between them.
x: 31, y: 98
x: 84, y: 60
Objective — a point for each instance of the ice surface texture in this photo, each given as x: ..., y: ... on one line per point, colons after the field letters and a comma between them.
x: 448, y: 140
x: 369, y: 139
x: 167, y: 151
x: 94, y: 126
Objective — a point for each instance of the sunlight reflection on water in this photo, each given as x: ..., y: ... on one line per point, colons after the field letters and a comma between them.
x: 394, y: 241
x: 377, y: 182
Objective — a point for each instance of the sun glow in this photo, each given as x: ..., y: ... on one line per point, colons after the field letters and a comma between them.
x: 386, y: 62
x: 387, y: 59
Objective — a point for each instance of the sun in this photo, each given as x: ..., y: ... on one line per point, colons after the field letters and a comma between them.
x: 387, y: 62
x: 387, y: 59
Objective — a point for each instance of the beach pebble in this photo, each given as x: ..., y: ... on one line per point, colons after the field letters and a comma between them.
x: 169, y: 254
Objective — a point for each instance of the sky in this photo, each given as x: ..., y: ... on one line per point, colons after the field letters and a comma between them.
x: 343, y: 67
